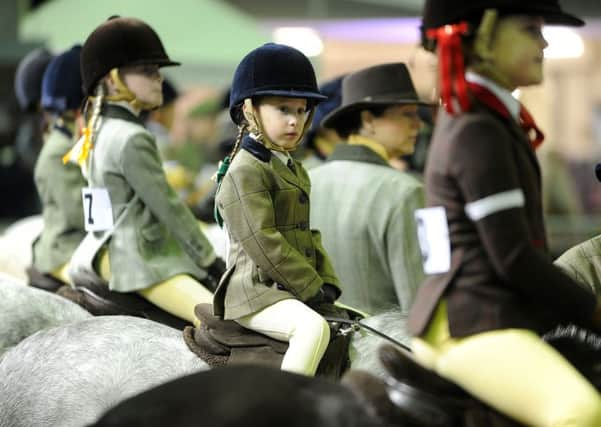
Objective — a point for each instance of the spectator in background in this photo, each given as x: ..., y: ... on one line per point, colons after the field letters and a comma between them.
x: 363, y: 207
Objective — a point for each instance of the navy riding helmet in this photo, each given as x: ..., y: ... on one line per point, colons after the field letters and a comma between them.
x: 276, y: 70
x: 28, y: 78
x: 61, y: 85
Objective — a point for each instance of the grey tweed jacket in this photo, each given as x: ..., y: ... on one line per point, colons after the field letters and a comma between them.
x: 159, y: 237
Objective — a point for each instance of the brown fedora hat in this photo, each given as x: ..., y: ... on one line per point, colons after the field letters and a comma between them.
x: 385, y: 84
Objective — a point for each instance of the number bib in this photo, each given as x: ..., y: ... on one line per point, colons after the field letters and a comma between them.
x: 97, y: 209
x: 433, y: 235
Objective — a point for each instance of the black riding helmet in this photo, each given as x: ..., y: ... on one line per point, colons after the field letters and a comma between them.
x: 118, y: 42
x: 437, y: 13
x: 273, y: 70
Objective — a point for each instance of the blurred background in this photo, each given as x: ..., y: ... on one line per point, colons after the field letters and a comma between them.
x: 210, y: 37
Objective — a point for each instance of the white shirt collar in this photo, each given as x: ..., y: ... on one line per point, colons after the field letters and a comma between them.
x: 512, y: 104
x: 284, y: 157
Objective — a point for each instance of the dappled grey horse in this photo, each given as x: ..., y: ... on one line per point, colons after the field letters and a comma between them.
x: 25, y: 310
x: 15, y: 245
x: 69, y: 375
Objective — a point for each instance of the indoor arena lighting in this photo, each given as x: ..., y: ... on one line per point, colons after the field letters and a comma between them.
x: 563, y: 43
x: 305, y: 39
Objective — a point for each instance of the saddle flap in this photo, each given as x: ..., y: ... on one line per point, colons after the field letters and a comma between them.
x: 231, y: 334
x: 43, y: 281
x: 401, y: 365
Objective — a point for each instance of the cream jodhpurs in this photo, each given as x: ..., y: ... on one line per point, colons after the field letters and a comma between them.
x: 290, y: 320
x: 516, y: 372
x: 177, y: 295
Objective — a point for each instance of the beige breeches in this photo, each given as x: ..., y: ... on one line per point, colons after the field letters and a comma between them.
x: 514, y: 371
x: 290, y: 320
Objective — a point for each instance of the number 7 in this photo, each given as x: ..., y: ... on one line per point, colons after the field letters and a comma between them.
x: 89, y: 198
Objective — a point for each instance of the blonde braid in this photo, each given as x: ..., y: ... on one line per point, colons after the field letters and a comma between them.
x: 242, y: 128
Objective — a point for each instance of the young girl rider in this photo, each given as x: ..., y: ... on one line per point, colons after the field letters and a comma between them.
x: 59, y: 187
x: 478, y: 320
x: 155, y: 246
x: 277, y: 266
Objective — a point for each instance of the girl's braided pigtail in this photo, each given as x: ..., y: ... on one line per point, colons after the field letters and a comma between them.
x: 224, y: 166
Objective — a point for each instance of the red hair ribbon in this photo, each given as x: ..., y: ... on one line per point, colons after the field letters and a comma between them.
x: 527, y: 123
x: 452, y: 69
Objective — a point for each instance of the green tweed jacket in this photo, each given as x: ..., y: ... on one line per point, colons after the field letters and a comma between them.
x: 159, y: 237
x: 274, y: 254
x: 59, y: 187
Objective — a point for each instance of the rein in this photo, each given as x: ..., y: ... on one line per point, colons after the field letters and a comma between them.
x: 357, y: 325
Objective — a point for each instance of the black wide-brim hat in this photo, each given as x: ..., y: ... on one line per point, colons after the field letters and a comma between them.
x: 380, y: 85
x: 437, y: 13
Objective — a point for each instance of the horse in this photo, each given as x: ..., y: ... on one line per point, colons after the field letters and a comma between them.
x: 70, y: 374
x: 17, y: 238
x: 15, y: 245
x: 25, y: 310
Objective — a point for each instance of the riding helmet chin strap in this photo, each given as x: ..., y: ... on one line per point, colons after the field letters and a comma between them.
x: 125, y: 94
x: 255, y: 126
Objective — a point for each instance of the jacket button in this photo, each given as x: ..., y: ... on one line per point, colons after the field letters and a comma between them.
x: 302, y: 199
x: 303, y: 226
x: 308, y: 253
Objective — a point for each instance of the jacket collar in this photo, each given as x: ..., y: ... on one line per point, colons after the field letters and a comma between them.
x: 115, y: 111
x: 259, y: 151
x: 356, y: 153
x: 64, y: 130
x: 255, y: 148
x: 512, y: 104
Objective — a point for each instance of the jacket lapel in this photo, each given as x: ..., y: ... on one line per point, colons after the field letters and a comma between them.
x: 524, y: 143
x: 521, y: 138
x: 286, y: 173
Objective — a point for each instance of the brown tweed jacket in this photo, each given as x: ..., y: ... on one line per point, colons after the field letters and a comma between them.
x: 274, y: 254
x: 501, y: 275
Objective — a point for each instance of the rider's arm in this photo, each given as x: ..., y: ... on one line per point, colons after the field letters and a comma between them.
x: 142, y: 169
x: 483, y: 162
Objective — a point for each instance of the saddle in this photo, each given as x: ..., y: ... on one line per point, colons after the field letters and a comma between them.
x: 43, y: 281
x: 430, y: 400
x: 427, y: 399
x: 94, y: 296
x: 223, y: 342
